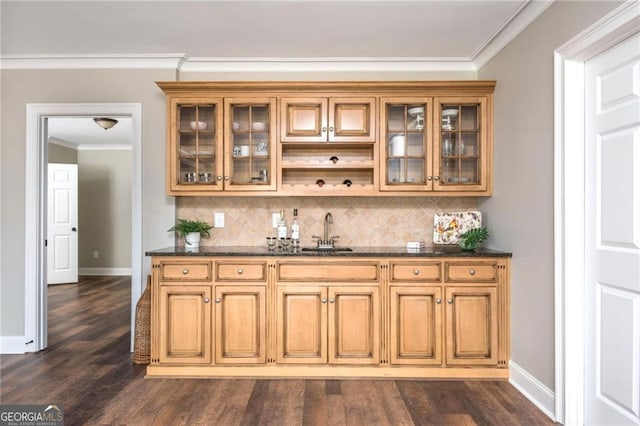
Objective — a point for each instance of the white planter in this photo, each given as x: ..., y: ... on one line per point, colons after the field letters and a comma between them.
x: 192, y: 240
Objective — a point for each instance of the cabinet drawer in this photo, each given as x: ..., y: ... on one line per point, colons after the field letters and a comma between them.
x: 185, y: 271
x: 460, y: 272
x: 328, y: 272
x: 241, y: 271
x: 415, y: 271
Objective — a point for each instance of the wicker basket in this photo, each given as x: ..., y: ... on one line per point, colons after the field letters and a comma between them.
x: 142, y: 339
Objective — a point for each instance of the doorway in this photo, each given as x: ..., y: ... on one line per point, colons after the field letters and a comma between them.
x: 35, y: 208
x: 572, y: 213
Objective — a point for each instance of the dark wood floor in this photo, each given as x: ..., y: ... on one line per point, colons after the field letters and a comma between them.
x: 87, y: 368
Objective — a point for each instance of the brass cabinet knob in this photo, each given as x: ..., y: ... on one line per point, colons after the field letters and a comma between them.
x: 416, y: 272
x: 450, y: 301
x: 185, y: 271
x: 324, y: 300
x: 438, y: 301
x: 472, y: 271
x: 240, y: 271
x: 331, y: 300
x: 218, y: 300
x: 206, y: 300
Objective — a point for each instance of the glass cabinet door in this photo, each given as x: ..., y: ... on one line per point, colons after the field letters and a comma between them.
x: 197, y: 137
x: 406, y: 147
x: 461, y: 160
x: 250, y: 148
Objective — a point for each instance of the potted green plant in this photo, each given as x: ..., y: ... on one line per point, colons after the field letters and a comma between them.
x: 192, y: 231
x: 471, y: 239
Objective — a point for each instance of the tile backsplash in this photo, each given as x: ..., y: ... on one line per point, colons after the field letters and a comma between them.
x: 359, y: 221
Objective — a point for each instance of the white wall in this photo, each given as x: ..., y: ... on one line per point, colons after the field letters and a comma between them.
x: 520, y: 215
x: 18, y: 88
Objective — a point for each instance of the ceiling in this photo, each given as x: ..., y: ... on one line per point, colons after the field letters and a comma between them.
x: 84, y: 133
x: 214, y: 35
x: 452, y: 30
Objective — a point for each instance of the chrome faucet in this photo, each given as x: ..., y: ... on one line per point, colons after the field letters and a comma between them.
x: 328, y: 220
x: 327, y: 242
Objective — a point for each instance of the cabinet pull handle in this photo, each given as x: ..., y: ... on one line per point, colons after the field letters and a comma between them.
x: 438, y: 301
x: 324, y: 300
x: 450, y: 301
x: 331, y: 300
x: 416, y: 272
x: 206, y: 300
x: 185, y: 271
x: 472, y: 271
x: 240, y: 271
x: 218, y: 300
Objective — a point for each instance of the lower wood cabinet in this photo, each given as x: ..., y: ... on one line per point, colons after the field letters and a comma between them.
x: 335, y: 325
x: 185, y: 327
x: 240, y: 324
x: 416, y: 325
x: 318, y: 317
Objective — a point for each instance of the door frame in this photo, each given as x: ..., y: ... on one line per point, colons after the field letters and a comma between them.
x: 569, y: 214
x: 35, y: 207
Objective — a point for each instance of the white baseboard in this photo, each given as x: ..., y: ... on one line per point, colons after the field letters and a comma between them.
x: 12, y: 345
x: 104, y: 271
x: 540, y: 395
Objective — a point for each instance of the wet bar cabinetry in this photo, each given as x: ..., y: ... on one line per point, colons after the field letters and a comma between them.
x: 326, y: 316
x: 330, y: 138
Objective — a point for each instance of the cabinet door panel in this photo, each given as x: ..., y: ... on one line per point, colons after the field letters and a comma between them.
x: 303, y: 119
x: 194, y: 157
x: 185, y: 328
x: 416, y: 325
x: 472, y: 325
x: 354, y: 325
x: 301, y: 324
x: 240, y: 324
x: 352, y: 119
x: 461, y: 155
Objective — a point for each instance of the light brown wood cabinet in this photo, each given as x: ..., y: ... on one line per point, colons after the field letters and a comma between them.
x: 335, y: 325
x: 330, y: 138
x: 336, y: 119
x: 456, y: 323
x: 325, y: 317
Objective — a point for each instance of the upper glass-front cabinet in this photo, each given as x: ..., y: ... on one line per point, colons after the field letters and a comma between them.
x: 250, y: 148
x: 461, y: 143
x: 406, y: 143
x: 195, y: 156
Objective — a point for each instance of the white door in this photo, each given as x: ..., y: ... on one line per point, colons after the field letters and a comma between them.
x: 62, y: 224
x: 612, y: 236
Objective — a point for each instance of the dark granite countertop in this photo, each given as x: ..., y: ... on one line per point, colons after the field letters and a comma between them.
x: 436, y: 251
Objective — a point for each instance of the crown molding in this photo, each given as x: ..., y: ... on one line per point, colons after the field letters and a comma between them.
x: 104, y: 147
x: 201, y: 64
x: 106, y: 61
x: 62, y: 143
x: 509, y: 30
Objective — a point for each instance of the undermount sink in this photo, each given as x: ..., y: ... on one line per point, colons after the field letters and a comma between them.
x: 328, y: 249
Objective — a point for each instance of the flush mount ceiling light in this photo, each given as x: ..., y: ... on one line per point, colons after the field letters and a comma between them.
x: 105, y: 122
